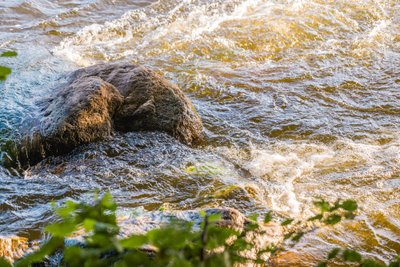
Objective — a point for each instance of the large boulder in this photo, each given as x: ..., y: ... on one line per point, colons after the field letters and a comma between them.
x: 100, y: 99
x: 151, y: 102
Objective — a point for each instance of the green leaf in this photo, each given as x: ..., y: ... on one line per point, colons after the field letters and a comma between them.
x: 217, y: 236
x: 351, y: 256
x: 322, y: 264
x: 322, y: 205
x: 316, y: 217
x: 297, y: 237
x: 202, y: 214
x: 4, y: 263
x: 61, y: 229
x: 333, y: 253
x: 268, y: 217
x: 253, y: 217
x: 134, y: 241
x: 252, y: 226
x: 241, y: 245
x: 89, y: 224
x: 9, y: 54
x: 108, y: 202
x: 213, y: 218
x: 4, y: 72
x: 106, y: 228
x: 287, y: 222
x: 349, y: 205
x: 73, y: 256
x: 288, y: 235
x: 67, y: 210
x: 333, y: 219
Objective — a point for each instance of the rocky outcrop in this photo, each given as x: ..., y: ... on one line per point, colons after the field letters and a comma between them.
x: 100, y: 99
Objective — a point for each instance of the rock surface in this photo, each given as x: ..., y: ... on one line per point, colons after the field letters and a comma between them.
x: 79, y: 113
x: 14, y: 247
x: 103, y: 98
x: 150, y: 101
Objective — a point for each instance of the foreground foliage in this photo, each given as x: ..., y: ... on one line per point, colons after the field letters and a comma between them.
x: 177, y: 243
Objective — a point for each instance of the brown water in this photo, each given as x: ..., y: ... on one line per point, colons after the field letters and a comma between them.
x: 300, y: 99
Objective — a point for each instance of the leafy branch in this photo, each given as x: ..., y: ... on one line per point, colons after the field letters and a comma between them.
x: 177, y: 243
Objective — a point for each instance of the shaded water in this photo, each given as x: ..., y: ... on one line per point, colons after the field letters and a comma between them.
x: 300, y: 99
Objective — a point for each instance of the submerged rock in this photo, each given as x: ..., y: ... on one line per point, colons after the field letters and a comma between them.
x: 103, y: 98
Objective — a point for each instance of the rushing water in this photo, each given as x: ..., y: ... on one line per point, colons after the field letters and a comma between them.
x: 300, y: 99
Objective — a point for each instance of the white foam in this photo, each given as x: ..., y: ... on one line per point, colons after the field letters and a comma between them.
x: 174, y: 21
x: 279, y: 170
x: 280, y: 166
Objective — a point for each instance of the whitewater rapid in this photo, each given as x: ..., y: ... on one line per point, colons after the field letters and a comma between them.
x: 300, y: 99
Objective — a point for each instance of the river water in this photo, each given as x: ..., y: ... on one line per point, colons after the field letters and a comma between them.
x: 300, y: 99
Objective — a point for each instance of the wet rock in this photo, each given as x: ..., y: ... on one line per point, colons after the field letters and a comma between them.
x: 14, y: 247
x: 100, y: 99
x: 151, y: 102
x: 79, y: 113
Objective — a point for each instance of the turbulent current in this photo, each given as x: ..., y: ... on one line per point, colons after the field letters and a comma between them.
x: 300, y: 99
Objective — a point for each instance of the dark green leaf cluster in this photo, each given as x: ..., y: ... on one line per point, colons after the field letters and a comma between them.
x: 5, y: 71
x: 333, y: 213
